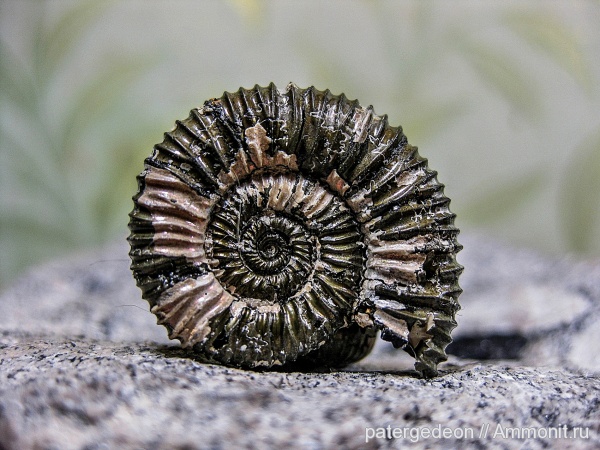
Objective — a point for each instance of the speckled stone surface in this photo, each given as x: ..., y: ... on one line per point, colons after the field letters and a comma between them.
x: 76, y: 393
x: 548, y: 307
x: 83, y: 366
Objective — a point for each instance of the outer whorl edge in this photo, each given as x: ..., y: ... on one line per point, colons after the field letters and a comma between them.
x: 285, y: 228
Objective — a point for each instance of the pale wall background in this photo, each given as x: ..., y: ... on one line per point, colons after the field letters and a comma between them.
x: 503, y: 98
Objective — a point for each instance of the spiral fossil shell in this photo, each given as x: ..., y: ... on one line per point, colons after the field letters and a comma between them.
x: 286, y: 228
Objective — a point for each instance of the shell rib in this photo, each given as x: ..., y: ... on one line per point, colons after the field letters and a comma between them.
x: 285, y: 228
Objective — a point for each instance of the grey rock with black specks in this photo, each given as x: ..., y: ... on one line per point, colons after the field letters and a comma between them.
x: 79, y: 393
x: 551, y: 304
x: 83, y: 365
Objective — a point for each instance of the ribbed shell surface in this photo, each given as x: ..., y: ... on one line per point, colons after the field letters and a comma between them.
x: 272, y: 228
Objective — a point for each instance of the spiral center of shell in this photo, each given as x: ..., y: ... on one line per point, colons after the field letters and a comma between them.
x: 269, y: 243
x: 273, y: 233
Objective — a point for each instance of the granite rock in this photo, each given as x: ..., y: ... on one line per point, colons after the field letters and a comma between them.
x: 519, y: 304
x: 80, y: 393
x: 84, y: 366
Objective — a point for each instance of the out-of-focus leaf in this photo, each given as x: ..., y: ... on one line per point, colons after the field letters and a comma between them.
x: 250, y: 10
x: 48, y: 207
x: 99, y: 96
x: 550, y: 35
x: 579, y: 203
x: 15, y: 81
x: 502, y: 73
x: 431, y: 119
x: 56, y: 44
x: 25, y: 222
x: 30, y: 160
x: 326, y: 67
x: 24, y: 242
x: 505, y: 199
x: 112, y: 202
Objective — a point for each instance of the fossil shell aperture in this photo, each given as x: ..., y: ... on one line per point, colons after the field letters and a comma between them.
x: 286, y: 228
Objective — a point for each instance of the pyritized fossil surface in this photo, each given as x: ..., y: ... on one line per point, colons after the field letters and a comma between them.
x: 286, y: 228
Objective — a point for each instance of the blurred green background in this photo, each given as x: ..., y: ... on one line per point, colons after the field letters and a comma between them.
x: 503, y: 98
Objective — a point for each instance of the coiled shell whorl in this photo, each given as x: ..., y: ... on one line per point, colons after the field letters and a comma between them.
x: 286, y: 228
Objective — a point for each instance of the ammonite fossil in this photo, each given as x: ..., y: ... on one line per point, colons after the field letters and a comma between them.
x: 286, y: 228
